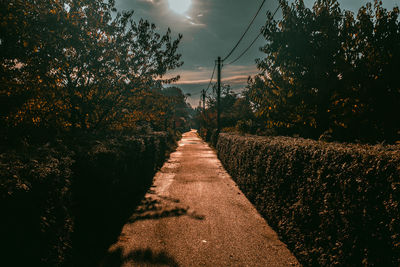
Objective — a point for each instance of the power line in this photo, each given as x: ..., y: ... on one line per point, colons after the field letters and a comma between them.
x: 248, y: 27
x: 255, y: 39
x: 244, y: 52
x: 203, y: 92
x: 212, y: 77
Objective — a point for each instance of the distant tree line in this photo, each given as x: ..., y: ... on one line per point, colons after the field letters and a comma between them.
x: 236, y: 113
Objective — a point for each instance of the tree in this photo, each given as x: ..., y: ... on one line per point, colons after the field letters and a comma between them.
x: 327, y: 71
x: 163, y: 109
x: 234, y: 108
x: 78, y: 65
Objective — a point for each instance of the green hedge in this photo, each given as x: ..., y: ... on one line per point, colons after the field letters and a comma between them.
x: 110, y: 178
x: 333, y: 204
x: 35, y: 188
x: 64, y: 204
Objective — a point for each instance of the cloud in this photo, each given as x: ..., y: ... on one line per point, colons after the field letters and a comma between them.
x: 241, y: 69
x: 230, y: 74
x: 149, y: 1
x: 197, y: 79
x: 194, y: 22
x: 152, y: 2
x: 236, y: 80
x: 233, y: 80
x: 193, y: 81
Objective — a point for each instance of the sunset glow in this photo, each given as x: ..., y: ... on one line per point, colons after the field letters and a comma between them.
x: 179, y: 6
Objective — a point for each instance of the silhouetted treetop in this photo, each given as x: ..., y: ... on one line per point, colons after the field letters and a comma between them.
x: 78, y: 64
x: 328, y: 71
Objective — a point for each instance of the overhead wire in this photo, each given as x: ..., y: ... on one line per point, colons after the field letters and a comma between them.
x: 212, y: 77
x: 255, y: 39
x: 244, y: 52
x: 241, y: 38
x: 209, y: 84
x: 247, y: 29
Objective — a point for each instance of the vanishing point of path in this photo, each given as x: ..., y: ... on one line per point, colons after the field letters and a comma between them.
x: 195, y: 215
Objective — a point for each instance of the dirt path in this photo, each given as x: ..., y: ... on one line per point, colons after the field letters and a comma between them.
x: 195, y: 215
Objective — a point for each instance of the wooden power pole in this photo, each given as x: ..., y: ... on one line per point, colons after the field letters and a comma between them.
x: 219, y: 95
x: 203, y: 93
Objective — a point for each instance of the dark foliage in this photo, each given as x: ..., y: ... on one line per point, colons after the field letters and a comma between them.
x: 81, y: 66
x: 66, y: 210
x: 333, y: 204
x: 236, y: 114
x: 81, y: 91
x: 35, y: 188
x: 327, y: 71
x: 111, y: 177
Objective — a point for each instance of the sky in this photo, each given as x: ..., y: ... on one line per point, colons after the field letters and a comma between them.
x: 211, y: 28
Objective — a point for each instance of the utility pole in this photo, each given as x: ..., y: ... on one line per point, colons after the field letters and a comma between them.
x: 203, y: 96
x: 203, y: 93
x: 219, y: 95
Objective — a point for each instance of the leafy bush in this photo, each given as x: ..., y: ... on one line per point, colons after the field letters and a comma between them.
x: 333, y: 204
x: 35, y: 191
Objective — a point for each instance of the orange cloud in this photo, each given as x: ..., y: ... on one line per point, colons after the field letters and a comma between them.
x: 230, y: 74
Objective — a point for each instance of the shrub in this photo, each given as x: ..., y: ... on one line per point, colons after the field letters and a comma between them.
x: 243, y: 126
x: 35, y: 200
x: 333, y: 204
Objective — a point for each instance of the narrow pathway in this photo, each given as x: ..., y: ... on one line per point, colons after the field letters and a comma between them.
x: 195, y: 215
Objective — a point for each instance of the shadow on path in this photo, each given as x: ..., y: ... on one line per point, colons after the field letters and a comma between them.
x: 139, y: 256
x: 100, y: 227
x: 157, y: 207
x: 152, y: 207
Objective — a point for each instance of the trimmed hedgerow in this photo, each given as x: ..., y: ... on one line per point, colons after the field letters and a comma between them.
x: 110, y: 178
x: 63, y: 205
x: 332, y: 204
